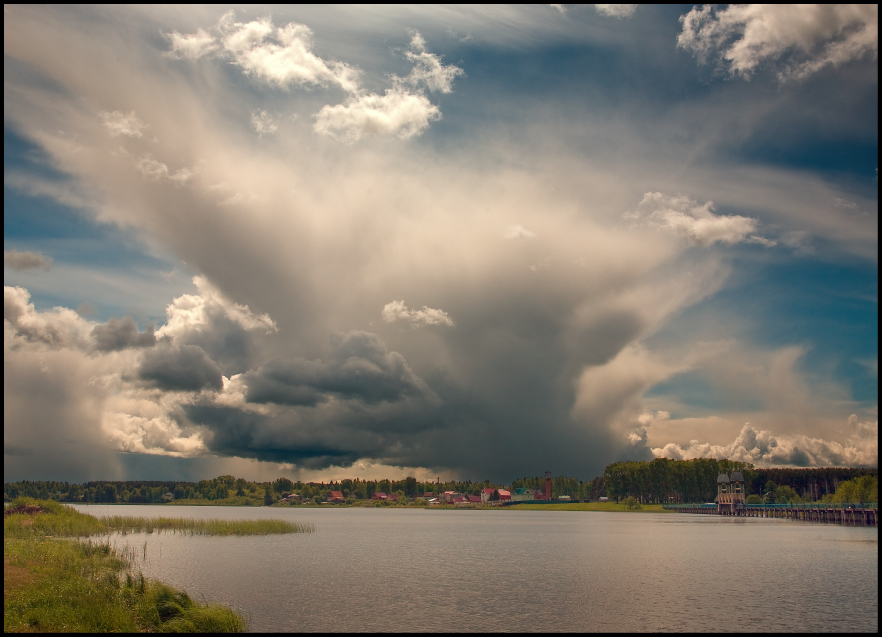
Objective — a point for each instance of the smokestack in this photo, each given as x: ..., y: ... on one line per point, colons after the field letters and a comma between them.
x: 548, y: 485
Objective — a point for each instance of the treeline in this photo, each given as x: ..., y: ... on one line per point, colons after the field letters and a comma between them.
x: 663, y: 480
x: 572, y: 487
x: 229, y: 489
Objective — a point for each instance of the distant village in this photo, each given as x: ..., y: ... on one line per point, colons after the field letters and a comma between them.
x: 488, y: 496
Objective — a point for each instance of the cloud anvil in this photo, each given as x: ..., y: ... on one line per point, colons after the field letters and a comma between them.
x: 441, y: 241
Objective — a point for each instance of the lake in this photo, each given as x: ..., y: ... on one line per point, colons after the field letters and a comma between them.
x: 390, y: 569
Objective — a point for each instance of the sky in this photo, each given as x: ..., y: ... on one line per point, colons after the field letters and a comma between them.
x: 475, y: 243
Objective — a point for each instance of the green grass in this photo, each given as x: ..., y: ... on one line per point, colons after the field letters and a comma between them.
x: 233, y: 501
x: 585, y: 506
x: 54, y: 584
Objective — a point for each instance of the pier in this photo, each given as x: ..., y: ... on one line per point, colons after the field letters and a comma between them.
x: 857, y: 514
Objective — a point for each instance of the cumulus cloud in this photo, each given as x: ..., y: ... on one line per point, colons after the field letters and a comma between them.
x: 765, y: 449
x: 616, y: 10
x: 397, y: 112
x: 278, y: 55
x: 360, y: 368
x: 697, y: 222
x: 155, y: 436
x: 192, y: 46
x: 428, y: 69
x: 56, y: 328
x: 26, y: 260
x: 155, y: 170
x: 184, y: 368
x: 126, y: 124
x: 518, y: 232
x: 398, y: 311
x: 803, y: 38
x: 122, y: 333
x: 263, y: 123
x: 190, y: 313
x: 283, y: 56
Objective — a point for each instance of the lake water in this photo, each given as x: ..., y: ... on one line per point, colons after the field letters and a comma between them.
x: 441, y: 570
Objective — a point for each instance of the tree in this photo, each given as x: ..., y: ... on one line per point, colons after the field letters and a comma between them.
x: 268, y: 496
x: 410, y: 486
x: 494, y: 497
x: 283, y: 484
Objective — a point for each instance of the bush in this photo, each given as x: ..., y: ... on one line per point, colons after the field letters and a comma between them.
x: 631, y: 503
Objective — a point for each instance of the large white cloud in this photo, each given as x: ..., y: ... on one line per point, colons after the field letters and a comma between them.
x: 765, y: 449
x: 279, y: 55
x: 697, y: 222
x: 397, y: 112
x: 802, y: 39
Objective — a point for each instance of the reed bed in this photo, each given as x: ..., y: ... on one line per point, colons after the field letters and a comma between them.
x: 190, y: 526
x: 51, y: 519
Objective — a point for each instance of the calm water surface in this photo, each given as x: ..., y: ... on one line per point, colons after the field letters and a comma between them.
x: 430, y: 570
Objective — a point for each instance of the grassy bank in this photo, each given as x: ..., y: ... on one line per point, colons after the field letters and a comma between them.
x: 52, y: 583
x: 586, y: 506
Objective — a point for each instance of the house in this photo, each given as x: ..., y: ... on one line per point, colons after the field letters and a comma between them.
x: 379, y: 495
x: 603, y: 498
x: 523, y: 494
x: 168, y: 496
x: 335, y: 496
x: 434, y: 501
x: 428, y: 495
x: 475, y: 499
x: 563, y: 498
x: 393, y: 497
x: 458, y: 500
x: 291, y: 498
x: 448, y: 496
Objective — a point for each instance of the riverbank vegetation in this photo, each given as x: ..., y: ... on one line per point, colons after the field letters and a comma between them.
x: 58, y: 584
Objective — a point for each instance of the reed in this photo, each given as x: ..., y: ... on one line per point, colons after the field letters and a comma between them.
x: 27, y: 517
x: 191, y: 526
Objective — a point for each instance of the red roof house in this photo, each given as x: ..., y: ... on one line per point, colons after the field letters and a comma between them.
x: 335, y: 496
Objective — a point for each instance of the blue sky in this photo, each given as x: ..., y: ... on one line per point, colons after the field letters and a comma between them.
x: 471, y: 242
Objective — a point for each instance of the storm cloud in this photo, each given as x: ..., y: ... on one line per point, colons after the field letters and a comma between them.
x: 121, y: 333
x: 184, y: 368
x: 431, y: 240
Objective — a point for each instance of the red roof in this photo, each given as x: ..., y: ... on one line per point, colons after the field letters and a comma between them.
x: 474, y: 498
x: 336, y: 495
x: 379, y: 495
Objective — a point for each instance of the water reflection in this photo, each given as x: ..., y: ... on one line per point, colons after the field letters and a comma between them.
x: 429, y: 570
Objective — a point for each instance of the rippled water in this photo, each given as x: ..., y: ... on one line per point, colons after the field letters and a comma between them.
x: 430, y: 570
